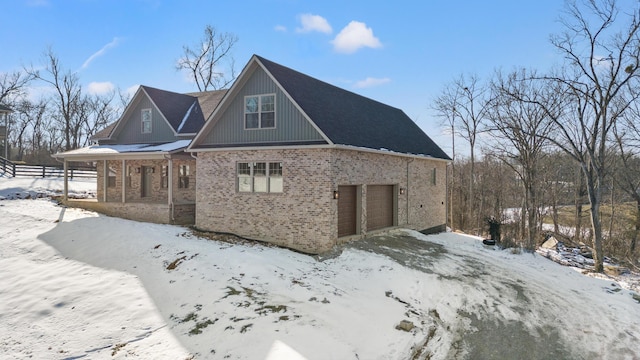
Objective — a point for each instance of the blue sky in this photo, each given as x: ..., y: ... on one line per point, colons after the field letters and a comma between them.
x: 398, y: 52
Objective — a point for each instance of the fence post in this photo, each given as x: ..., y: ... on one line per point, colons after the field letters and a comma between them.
x: 71, y: 173
x: 43, y: 168
x: 13, y: 172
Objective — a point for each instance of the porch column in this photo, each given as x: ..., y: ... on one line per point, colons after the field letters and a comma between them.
x: 124, y: 183
x: 66, y: 180
x: 170, y: 182
x: 105, y: 180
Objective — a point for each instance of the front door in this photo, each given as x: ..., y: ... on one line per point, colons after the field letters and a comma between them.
x: 147, y: 176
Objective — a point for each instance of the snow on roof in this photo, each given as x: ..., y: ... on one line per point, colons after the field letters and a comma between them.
x: 123, y: 149
x: 186, y: 116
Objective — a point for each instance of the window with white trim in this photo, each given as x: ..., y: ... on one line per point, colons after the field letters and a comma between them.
x: 260, y: 111
x: 129, y: 172
x: 265, y: 177
x: 111, y: 179
x: 146, y: 121
x: 183, y: 178
x: 164, y: 177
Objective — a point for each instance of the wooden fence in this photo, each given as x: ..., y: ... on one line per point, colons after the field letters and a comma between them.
x: 12, y: 169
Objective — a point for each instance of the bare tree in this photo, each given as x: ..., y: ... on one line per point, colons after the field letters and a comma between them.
x: 523, y: 128
x: 13, y: 85
x: 102, y: 113
x: 602, y: 63
x: 27, y: 114
x: 627, y: 136
x: 210, y: 62
x: 445, y: 107
x: 463, y: 105
x: 67, y: 99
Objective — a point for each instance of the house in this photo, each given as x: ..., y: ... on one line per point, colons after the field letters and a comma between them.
x: 291, y: 160
x: 143, y: 172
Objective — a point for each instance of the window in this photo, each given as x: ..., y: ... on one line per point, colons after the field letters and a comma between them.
x: 263, y: 177
x: 275, y: 177
x: 260, y: 112
x: 146, y: 121
x: 111, y: 179
x: 183, y: 179
x: 129, y: 175
x: 164, y: 177
x: 433, y: 177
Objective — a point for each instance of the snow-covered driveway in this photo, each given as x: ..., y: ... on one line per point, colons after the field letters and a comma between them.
x: 74, y: 284
x: 493, y: 304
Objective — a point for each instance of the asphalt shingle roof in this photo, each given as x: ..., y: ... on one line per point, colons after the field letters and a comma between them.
x: 175, y: 106
x: 208, y: 100
x: 351, y: 119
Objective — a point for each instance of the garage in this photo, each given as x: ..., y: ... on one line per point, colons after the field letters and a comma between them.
x: 379, y: 206
x: 347, y: 210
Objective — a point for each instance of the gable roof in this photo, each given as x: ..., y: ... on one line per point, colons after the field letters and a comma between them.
x: 185, y: 113
x: 344, y: 117
x: 182, y: 111
x: 105, y: 133
x: 208, y: 100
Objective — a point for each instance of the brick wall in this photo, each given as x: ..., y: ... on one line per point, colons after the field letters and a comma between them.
x: 140, y: 211
x: 300, y: 217
x: 423, y: 204
x: 304, y: 216
x: 133, y: 186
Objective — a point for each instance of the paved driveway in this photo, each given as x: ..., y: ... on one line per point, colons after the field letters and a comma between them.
x: 497, y: 310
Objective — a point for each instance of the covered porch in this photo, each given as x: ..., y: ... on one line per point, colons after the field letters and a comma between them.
x: 152, y: 183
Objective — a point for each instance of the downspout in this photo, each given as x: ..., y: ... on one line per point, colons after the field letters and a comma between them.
x: 124, y: 183
x: 170, y: 187
x: 66, y: 181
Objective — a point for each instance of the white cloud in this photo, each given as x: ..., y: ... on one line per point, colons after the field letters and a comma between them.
x: 371, y: 82
x: 131, y: 90
x: 99, y: 88
x: 280, y: 28
x: 602, y: 62
x: 100, y: 52
x: 355, y: 36
x: 312, y: 22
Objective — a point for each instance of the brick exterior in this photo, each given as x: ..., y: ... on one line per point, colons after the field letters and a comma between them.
x: 153, y: 208
x: 305, y: 215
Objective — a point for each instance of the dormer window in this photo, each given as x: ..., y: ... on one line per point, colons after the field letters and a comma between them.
x: 146, y: 121
x: 260, y: 111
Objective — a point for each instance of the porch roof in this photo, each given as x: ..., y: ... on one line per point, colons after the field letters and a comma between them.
x: 132, y: 151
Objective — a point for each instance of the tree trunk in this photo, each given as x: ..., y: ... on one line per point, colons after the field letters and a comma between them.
x: 532, y: 220
x: 554, y: 207
x: 636, y: 232
x: 594, y: 192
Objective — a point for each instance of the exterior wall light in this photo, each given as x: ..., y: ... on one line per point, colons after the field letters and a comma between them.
x: 402, y: 191
x: 336, y: 194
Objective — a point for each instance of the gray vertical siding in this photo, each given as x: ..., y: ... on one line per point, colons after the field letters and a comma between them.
x: 290, y: 123
x: 131, y: 132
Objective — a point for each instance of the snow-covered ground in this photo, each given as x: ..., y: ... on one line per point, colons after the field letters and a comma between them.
x: 75, y: 284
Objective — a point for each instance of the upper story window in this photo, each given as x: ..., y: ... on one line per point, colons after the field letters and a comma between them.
x: 260, y: 111
x: 146, y: 121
